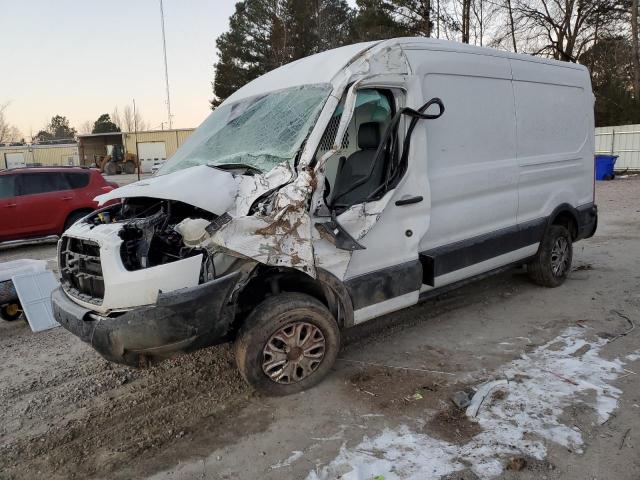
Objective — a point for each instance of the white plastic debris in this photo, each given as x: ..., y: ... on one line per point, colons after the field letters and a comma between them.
x: 481, y: 394
x: 20, y: 267
x: 34, y: 291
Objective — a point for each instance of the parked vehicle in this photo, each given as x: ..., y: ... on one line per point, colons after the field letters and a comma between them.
x: 331, y: 191
x: 157, y: 165
x: 40, y: 201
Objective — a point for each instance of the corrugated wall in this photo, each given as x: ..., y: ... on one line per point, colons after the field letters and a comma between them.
x: 172, y: 139
x: 622, y: 140
x: 54, y: 155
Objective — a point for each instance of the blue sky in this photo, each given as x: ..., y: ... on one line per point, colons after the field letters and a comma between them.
x: 82, y: 58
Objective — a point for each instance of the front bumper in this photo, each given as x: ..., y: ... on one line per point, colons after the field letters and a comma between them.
x: 180, y: 321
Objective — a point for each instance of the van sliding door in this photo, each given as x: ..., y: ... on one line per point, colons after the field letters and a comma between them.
x: 471, y: 164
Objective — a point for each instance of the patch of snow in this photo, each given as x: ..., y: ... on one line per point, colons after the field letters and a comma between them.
x: 395, y: 455
x: 538, y: 387
x: 295, y: 455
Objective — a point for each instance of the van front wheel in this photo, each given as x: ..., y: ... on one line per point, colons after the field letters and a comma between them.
x: 552, y: 263
x: 287, y: 344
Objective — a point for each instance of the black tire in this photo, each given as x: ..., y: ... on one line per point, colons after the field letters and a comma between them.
x: 11, y: 312
x: 550, y: 267
x: 73, y: 218
x: 111, y: 168
x: 277, y: 315
x: 129, y: 167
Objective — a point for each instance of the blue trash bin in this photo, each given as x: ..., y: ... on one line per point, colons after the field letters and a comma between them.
x: 604, y: 166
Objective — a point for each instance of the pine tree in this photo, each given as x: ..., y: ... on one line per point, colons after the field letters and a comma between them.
x: 244, y: 51
x: 375, y: 21
x: 265, y: 34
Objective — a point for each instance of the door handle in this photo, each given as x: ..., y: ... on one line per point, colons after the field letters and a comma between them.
x: 12, y: 205
x: 67, y: 198
x: 409, y: 201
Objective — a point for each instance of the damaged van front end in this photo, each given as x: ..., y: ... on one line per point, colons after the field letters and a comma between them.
x: 134, y: 289
x: 166, y: 270
x: 160, y: 272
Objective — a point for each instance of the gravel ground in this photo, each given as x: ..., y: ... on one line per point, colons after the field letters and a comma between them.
x: 67, y: 413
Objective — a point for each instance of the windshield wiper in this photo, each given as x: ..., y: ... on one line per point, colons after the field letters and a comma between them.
x: 237, y: 166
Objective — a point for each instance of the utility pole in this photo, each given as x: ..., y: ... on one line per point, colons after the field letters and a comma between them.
x: 135, y: 127
x: 166, y: 69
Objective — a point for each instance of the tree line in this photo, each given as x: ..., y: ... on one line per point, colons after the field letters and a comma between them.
x: 59, y: 127
x: 601, y: 34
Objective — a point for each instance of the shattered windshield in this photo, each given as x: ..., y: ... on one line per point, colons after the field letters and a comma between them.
x: 260, y: 132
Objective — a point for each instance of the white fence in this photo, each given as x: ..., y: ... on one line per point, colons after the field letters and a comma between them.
x: 624, y: 141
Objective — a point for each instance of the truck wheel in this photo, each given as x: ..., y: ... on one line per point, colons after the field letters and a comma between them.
x: 129, y: 167
x: 288, y: 343
x: 552, y: 263
x: 111, y: 168
x: 10, y: 312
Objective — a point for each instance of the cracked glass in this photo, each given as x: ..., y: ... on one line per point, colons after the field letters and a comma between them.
x: 260, y: 132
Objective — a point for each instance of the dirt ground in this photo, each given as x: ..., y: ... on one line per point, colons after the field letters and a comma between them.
x: 67, y: 413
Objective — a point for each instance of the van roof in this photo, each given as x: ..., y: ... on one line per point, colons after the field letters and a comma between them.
x: 325, y: 66
x: 314, y: 69
x: 421, y: 43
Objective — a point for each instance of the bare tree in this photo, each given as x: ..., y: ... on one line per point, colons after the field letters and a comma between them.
x: 115, y: 117
x: 466, y: 20
x: 8, y: 133
x: 635, y: 50
x: 512, y: 26
x: 563, y: 29
x: 486, y: 21
x: 131, y: 122
x: 478, y: 8
x: 86, y: 127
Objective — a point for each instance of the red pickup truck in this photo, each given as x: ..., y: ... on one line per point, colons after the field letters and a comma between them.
x: 41, y: 201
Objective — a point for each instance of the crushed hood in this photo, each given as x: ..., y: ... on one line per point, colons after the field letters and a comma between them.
x: 211, y: 189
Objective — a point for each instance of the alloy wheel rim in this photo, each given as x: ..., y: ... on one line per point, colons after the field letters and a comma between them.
x: 560, y: 256
x: 293, y: 353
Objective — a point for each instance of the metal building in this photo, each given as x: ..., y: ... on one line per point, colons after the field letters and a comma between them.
x: 38, y: 154
x: 149, y: 146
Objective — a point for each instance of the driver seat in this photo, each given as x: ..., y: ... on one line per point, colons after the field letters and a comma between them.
x: 357, y: 166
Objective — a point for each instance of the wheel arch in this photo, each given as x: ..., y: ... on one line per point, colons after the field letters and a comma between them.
x: 266, y: 281
x: 567, y: 216
x: 83, y: 210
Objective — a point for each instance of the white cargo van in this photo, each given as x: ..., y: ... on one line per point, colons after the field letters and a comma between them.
x: 331, y: 191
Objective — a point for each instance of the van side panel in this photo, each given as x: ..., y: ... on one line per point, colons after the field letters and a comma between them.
x: 554, y: 110
x: 471, y: 149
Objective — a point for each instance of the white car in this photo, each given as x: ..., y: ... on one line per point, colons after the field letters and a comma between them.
x: 333, y: 190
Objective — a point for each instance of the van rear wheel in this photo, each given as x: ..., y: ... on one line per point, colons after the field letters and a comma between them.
x: 287, y: 344
x: 552, y: 263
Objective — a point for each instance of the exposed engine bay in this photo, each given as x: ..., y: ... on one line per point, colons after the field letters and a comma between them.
x: 156, y: 232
